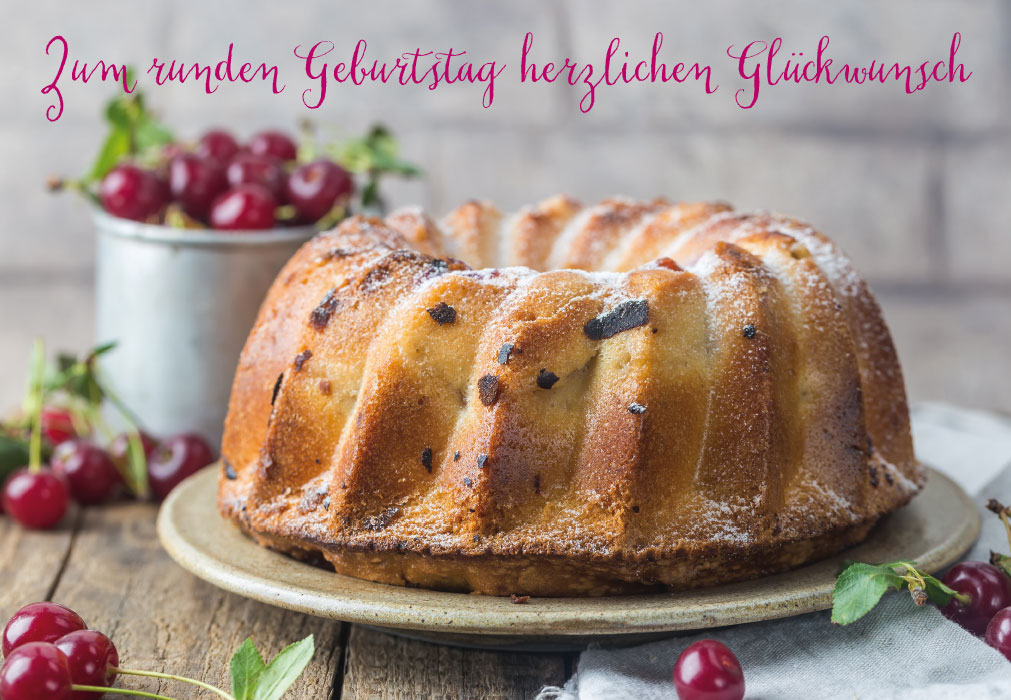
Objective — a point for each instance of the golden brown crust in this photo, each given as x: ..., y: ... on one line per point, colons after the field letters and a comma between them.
x: 732, y: 409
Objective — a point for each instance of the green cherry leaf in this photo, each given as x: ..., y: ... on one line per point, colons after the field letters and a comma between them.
x: 102, y: 349
x: 117, y: 112
x: 937, y: 593
x: 150, y: 134
x: 14, y: 454
x: 1001, y: 561
x: 247, y: 666
x: 116, y: 147
x: 284, y: 670
x: 859, y: 588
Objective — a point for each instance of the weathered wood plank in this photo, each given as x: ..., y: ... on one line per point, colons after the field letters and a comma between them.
x: 30, y: 562
x: 383, y: 667
x: 164, y: 619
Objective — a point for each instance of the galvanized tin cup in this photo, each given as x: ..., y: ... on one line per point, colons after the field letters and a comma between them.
x: 179, y: 304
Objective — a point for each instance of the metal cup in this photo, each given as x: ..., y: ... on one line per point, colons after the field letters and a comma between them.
x: 179, y: 303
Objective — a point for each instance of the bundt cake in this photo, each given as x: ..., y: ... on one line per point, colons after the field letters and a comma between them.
x: 567, y: 401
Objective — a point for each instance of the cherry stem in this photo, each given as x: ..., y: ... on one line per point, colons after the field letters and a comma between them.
x: 914, y: 580
x: 35, y: 401
x: 171, y: 677
x: 136, y: 469
x: 120, y: 691
x: 1007, y: 525
x: 114, y: 399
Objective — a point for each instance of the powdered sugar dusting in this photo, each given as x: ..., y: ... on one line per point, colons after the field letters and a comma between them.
x: 518, y: 305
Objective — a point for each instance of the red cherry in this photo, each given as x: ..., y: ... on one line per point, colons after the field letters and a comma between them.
x: 708, y: 670
x: 130, y: 192
x: 57, y: 425
x: 40, y: 622
x: 988, y: 588
x: 195, y: 182
x: 88, y: 470
x: 120, y: 445
x: 314, y: 188
x: 90, y: 654
x: 273, y: 143
x: 998, y: 632
x: 264, y: 170
x: 36, y: 671
x: 37, y: 500
x: 244, y: 208
x: 217, y: 145
x: 175, y: 459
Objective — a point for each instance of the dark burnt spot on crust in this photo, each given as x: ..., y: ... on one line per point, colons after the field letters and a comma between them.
x: 874, y: 476
x: 889, y: 478
x: 374, y: 279
x: 467, y: 482
x: 748, y: 331
x: 277, y: 388
x: 487, y: 389
x: 379, y: 522
x: 456, y: 456
x: 325, y: 387
x: 326, y: 503
x: 636, y: 408
x: 504, y: 352
x: 477, y: 538
x: 537, y: 483
x: 320, y: 316
x: 635, y: 509
x: 546, y: 379
x: 623, y: 317
x: 426, y: 459
x: 337, y: 253
x: 229, y: 470
x: 437, y: 267
x: 482, y: 459
x: 301, y: 359
x: 443, y: 313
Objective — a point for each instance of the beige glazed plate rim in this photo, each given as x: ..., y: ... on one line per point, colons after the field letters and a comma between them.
x: 935, y: 530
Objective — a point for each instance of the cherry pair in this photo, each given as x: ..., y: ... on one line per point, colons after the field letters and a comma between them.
x: 50, y: 653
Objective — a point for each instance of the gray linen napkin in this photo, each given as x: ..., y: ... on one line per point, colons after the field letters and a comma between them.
x: 897, y: 651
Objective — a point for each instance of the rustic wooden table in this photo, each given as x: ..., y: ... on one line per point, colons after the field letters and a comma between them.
x: 107, y: 564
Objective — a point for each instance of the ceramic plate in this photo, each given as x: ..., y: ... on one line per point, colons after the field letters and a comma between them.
x: 935, y: 529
